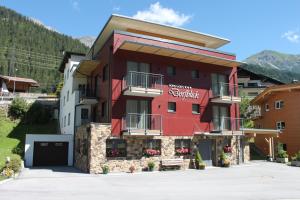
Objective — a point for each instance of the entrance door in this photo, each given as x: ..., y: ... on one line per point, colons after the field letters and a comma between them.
x: 221, y: 120
x: 205, y: 149
x: 137, y: 114
x: 50, y: 153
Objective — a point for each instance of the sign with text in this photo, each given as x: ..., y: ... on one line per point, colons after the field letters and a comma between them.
x: 182, y: 91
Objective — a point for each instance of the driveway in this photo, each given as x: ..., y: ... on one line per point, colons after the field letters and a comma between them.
x: 257, y: 180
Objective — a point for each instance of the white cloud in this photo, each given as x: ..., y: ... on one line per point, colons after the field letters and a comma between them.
x: 292, y: 36
x: 75, y: 5
x: 162, y: 15
x: 40, y: 23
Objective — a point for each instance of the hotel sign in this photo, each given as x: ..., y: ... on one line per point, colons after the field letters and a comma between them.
x: 182, y: 91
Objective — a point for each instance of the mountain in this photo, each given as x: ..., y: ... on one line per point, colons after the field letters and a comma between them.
x: 30, y: 49
x: 281, y: 66
x: 87, y: 40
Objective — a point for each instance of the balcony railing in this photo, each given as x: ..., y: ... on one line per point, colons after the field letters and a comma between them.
x: 142, y: 84
x: 225, y: 93
x: 142, y: 124
x: 86, y: 97
x: 228, y: 125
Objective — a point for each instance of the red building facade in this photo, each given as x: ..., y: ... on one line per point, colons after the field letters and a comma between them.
x: 155, y: 86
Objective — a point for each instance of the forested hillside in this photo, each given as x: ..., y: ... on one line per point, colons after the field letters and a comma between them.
x: 28, y: 49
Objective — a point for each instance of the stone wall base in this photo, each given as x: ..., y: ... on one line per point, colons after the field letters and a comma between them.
x: 90, y: 150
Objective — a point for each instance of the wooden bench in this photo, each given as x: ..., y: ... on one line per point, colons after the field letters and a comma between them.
x: 171, y: 163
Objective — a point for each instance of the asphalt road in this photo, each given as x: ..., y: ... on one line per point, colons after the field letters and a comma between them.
x: 258, y: 180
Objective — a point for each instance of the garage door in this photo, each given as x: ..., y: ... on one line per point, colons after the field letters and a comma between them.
x: 50, y: 153
x: 205, y: 149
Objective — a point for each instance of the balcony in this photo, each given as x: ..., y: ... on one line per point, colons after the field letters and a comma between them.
x: 142, y: 84
x: 86, y: 97
x: 142, y: 124
x: 228, y: 126
x: 225, y: 93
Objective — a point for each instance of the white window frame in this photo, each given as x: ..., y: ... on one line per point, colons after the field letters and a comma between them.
x: 280, y: 104
x: 267, y: 109
x: 279, y: 125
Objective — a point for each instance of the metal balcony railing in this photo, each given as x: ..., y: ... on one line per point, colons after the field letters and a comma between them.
x: 225, y: 89
x: 142, y: 123
x: 143, y: 80
x: 227, y: 124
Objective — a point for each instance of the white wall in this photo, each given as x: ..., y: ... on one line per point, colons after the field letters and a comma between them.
x: 69, y: 85
x: 31, y: 138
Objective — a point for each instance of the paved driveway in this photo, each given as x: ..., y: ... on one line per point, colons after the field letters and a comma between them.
x: 259, y: 180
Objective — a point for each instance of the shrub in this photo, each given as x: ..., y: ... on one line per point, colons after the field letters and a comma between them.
x: 198, y: 160
x: 151, y: 166
x: 281, y: 153
x: 7, y: 172
x: 14, y: 164
x: 296, y: 157
x: 105, y: 169
x: 18, y: 108
x: 18, y: 150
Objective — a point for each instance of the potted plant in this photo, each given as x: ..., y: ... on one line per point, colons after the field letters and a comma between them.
x: 151, y: 166
x: 225, y: 161
x: 131, y: 169
x: 227, y: 149
x: 296, y: 160
x: 198, y: 161
x: 105, y: 169
x: 282, y: 156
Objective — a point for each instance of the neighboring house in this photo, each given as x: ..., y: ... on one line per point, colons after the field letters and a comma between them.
x: 252, y: 84
x: 16, y: 84
x: 280, y: 110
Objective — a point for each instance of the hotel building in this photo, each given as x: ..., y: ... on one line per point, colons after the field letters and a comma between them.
x: 147, y: 92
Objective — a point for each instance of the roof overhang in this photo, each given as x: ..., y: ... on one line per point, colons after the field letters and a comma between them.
x: 123, y: 23
x: 176, y: 53
x: 85, y: 68
x: 277, y: 88
x: 261, y: 132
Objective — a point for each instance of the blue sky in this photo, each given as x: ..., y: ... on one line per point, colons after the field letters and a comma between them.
x: 251, y: 25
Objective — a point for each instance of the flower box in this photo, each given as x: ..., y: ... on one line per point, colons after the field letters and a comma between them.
x: 282, y: 160
x: 182, y: 151
x: 151, y: 152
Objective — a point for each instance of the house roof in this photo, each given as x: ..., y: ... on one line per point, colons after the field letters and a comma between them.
x: 124, y: 23
x: 65, y: 59
x: 262, y: 77
x: 275, y: 88
x: 30, y: 81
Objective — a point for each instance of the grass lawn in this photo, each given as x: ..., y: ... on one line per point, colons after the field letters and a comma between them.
x: 12, y: 134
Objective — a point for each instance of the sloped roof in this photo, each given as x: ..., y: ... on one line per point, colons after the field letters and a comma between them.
x: 275, y: 88
x: 32, y: 82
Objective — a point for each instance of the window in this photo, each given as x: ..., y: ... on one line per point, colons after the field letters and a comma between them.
x: 267, y: 107
x: 195, y: 74
x: 152, y: 147
x: 196, y: 109
x: 116, y: 148
x: 69, y: 119
x: 279, y: 104
x: 64, y: 100
x: 68, y: 94
x: 253, y: 84
x: 284, y: 147
x: 280, y: 125
x: 105, y: 73
x: 65, y: 120
x: 104, y: 109
x: 171, y: 71
x: 171, y: 107
x: 68, y: 73
x: 84, y: 113
x: 182, y: 146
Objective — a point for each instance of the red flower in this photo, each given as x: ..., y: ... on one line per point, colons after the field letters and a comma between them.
x: 151, y: 152
x: 227, y: 149
x: 182, y: 151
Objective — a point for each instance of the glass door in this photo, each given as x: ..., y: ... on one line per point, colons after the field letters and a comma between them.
x: 219, y: 85
x: 137, y: 74
x: 221, y: 120
x: 137, y: 114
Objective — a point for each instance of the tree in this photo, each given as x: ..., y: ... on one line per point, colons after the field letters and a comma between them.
x: 244, y: 112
